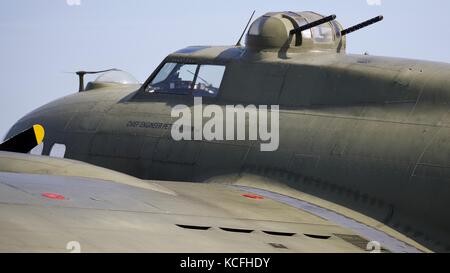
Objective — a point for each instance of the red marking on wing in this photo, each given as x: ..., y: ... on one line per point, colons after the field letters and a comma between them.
x: 55, y: 196
x: 252, y: 196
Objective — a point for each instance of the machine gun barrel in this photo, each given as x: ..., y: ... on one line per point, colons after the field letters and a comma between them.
x: 362, y: 25
x: 312, y: 24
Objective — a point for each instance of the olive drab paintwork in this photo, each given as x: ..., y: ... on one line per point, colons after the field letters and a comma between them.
x: 366, y: 132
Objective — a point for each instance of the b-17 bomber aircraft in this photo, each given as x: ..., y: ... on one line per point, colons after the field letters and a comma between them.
x: 284, y: 144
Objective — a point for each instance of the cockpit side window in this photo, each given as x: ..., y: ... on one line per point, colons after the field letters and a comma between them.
x: 181, y: 78
x: 208, y: 80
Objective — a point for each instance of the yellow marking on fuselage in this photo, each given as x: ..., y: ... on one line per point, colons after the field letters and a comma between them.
x: 39, y: 133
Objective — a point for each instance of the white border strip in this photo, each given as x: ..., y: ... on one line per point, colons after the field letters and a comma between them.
x: 370, y: 233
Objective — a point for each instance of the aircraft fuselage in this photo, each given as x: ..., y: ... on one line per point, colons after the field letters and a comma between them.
x: 369, y: 133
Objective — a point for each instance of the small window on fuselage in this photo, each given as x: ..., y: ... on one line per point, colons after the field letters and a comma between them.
x: 193, y: 79
x: 58, y: 150
x: 37, y: 150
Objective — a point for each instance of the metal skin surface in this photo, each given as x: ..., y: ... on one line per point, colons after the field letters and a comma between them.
x: 367, y: 133
x: 110, y: 217
x: 53, y: 205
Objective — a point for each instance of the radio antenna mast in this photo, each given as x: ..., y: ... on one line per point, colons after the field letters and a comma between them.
x: 245, y: 29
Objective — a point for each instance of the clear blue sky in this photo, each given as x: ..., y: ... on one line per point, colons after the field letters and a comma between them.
x: 39, y: 39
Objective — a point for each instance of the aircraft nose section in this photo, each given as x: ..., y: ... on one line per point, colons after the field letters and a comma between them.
x: 25, y: 141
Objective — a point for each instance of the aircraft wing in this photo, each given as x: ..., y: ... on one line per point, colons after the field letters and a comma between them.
x: 58, y: 205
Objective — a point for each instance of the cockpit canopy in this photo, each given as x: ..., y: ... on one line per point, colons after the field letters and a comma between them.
x: 272, y: 31
x: 116, y: 76
x: 112, y: 77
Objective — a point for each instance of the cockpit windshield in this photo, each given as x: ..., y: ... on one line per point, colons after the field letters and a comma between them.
x: 182, y: 78
x: 173, y: 76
